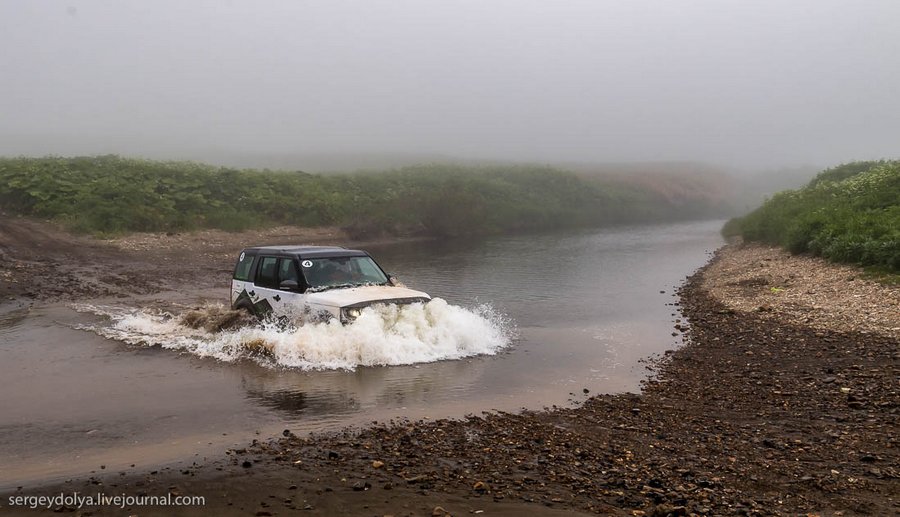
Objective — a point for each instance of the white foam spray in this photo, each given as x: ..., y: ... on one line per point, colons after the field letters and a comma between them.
x: 381, y: 335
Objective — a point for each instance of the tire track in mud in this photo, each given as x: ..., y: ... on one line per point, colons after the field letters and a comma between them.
x: 40, y: 262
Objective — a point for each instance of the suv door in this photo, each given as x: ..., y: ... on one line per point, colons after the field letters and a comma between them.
x: 291, y: 299
x: 270, y: 272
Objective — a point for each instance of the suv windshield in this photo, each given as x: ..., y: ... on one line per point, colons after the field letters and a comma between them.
x: 327, y: 273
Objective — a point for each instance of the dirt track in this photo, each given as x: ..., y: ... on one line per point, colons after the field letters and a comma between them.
x: 38, y: 261
x: 41, y: 262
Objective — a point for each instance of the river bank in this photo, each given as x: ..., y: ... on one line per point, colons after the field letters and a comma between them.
x: 41, y: 261
x: 758, y: 414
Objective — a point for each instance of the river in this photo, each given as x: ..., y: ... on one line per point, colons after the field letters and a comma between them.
x: 580, y: 310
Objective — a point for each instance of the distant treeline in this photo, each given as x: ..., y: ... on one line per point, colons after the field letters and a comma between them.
x: 849, y: 213
x: 111, y: 194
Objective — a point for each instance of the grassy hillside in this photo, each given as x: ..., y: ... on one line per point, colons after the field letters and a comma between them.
x: 849, y: 213
x: 110, y: 194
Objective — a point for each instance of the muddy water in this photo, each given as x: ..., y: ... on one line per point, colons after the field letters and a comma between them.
x: 580, y: 310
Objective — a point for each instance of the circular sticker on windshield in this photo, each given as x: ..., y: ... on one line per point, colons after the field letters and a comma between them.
x: 241, y: 258
x: 307, y: 263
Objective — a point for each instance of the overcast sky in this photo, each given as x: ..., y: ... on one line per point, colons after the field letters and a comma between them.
x: 738, y: 83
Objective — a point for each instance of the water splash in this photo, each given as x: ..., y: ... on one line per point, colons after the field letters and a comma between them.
x: 381, y: 335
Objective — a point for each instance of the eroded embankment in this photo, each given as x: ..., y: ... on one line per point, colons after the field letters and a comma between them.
x: 759, y: 414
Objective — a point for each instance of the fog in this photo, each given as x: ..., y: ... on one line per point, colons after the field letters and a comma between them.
x: 760, y: 84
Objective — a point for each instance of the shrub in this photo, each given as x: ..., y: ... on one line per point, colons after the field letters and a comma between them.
x: 849, y: 213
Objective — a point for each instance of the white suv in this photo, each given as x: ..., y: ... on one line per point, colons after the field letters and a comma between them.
x: 313, y: 283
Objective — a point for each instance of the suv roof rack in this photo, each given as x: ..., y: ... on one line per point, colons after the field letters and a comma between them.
x: 308, y: 251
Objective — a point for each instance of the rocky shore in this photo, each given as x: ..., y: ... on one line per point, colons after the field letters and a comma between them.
x: 803, y: 290
x: 762, y: 412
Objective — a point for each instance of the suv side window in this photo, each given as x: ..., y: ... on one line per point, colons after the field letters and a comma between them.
x: 267, y: 275
x: 287, y: 270
x: 242, y: 270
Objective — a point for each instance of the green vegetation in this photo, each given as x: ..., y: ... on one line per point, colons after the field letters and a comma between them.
x: 110, y: 195
x: 849, y: 213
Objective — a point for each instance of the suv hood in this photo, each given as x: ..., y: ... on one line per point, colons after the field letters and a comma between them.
x: 363, y: 295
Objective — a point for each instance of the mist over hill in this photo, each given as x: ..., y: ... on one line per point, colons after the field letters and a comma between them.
x: 112, y: 194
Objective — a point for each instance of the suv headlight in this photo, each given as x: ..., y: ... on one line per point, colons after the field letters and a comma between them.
x: 350, y: 313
